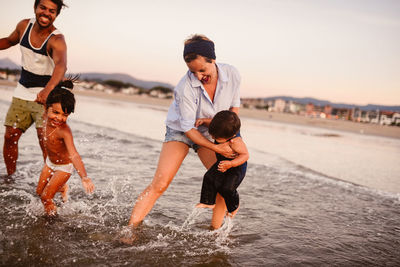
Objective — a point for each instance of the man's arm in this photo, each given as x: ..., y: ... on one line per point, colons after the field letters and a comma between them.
x: 14, y: 37
x: 58, y: 49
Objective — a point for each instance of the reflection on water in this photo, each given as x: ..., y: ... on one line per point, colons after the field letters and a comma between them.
x: 289, y: 215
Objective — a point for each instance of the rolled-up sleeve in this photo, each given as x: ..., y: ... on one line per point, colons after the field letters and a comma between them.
x: 188, y: 108
x: 236, y: 80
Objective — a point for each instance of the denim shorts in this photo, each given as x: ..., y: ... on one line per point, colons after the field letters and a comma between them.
x: 175, y: 135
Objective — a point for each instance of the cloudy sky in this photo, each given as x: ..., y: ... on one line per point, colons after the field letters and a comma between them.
x: 344, y: 51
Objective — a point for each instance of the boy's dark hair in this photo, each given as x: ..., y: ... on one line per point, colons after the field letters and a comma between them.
x: 60, y: 4
x: 225, y: 124
x: 62, y: 94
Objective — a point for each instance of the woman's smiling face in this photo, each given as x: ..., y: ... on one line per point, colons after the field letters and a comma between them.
x: 204, y: 71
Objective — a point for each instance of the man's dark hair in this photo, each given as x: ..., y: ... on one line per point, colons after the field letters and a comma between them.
x: 60, y: 4
x: 62, y: 94
x: 225, y: 124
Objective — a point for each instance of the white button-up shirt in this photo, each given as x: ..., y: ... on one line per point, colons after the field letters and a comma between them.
x: 191, y: 101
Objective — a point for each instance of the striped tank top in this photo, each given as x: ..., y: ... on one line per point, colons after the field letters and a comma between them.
x: 37, y: 65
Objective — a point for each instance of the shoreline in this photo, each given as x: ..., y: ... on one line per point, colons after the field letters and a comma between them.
x: 328, y: 124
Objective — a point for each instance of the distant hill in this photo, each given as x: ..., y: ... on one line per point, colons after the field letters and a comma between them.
x: 98, y: 76
x: 6, y: 63
x: 319, y: 102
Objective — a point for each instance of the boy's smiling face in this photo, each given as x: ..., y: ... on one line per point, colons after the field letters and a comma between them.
x: 56, y: 116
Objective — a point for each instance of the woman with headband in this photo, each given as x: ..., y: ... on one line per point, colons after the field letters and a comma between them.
x: 207, y: 87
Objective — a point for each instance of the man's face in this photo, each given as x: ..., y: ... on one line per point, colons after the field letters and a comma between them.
x: 46, y: 13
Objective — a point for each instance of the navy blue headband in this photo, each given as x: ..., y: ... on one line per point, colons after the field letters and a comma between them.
x: 203, y: 48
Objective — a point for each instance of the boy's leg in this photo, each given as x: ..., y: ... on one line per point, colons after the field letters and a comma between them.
x: 208, y: 159
x: 208, y: 188
x: 218, y: 212
x: 44, y: 178
x: 10, y: 148
x: 64, y: 192
x: 58, y: 179
x: 228, y: 190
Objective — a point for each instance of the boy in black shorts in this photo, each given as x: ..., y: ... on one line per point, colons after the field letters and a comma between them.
x: 226, y: 174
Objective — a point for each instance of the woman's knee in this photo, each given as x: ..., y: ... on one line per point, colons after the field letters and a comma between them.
x: 159, y: 187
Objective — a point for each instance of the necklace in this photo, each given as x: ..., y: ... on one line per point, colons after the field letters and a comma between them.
x: 48, y: 135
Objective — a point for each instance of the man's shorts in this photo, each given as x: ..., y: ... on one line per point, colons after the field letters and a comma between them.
x: 23, y: 113
x: 175, y: 135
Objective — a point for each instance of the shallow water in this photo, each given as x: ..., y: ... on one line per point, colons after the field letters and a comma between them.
x: 289, y: 215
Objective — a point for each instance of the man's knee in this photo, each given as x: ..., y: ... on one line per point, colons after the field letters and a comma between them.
x: 12, y: 135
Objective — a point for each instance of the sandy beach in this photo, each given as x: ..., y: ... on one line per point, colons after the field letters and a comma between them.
x: 331, y: 124
x: 341, y: 125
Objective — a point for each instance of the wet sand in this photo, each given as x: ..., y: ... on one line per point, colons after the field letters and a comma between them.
x: 331, y: 124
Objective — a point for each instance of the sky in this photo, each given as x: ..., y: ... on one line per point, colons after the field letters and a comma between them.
x: 344, y: 51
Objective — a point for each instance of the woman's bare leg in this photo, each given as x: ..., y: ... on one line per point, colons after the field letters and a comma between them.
x: 208, y: 159
x: 171, y: 157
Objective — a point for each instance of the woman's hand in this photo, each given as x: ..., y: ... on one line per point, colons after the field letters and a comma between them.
x: 202, y: 121
x: 225, y: 150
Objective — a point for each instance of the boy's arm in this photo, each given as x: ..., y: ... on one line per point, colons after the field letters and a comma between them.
x: 77, y: 160
x: 240, y: 148
x: 14, y: 37
x: 58, y: 49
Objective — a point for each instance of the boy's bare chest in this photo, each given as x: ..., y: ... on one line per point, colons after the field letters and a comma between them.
x: 55, y: 144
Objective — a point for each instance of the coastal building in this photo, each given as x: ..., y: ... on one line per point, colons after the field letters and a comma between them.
x: 341, y: 113
x: 373, y: 116
x: 328, y: 111
x: 130, y: 90
x: 279, y: 105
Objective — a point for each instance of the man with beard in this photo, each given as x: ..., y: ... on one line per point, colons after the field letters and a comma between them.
x: 44, y: 63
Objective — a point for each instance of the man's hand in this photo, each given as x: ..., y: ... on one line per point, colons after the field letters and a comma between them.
x: 42, y: 96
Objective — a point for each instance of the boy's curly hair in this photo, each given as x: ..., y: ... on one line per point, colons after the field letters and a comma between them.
x: 62, y: 94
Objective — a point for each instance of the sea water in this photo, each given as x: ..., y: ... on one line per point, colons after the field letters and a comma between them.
x: 290, y: 214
